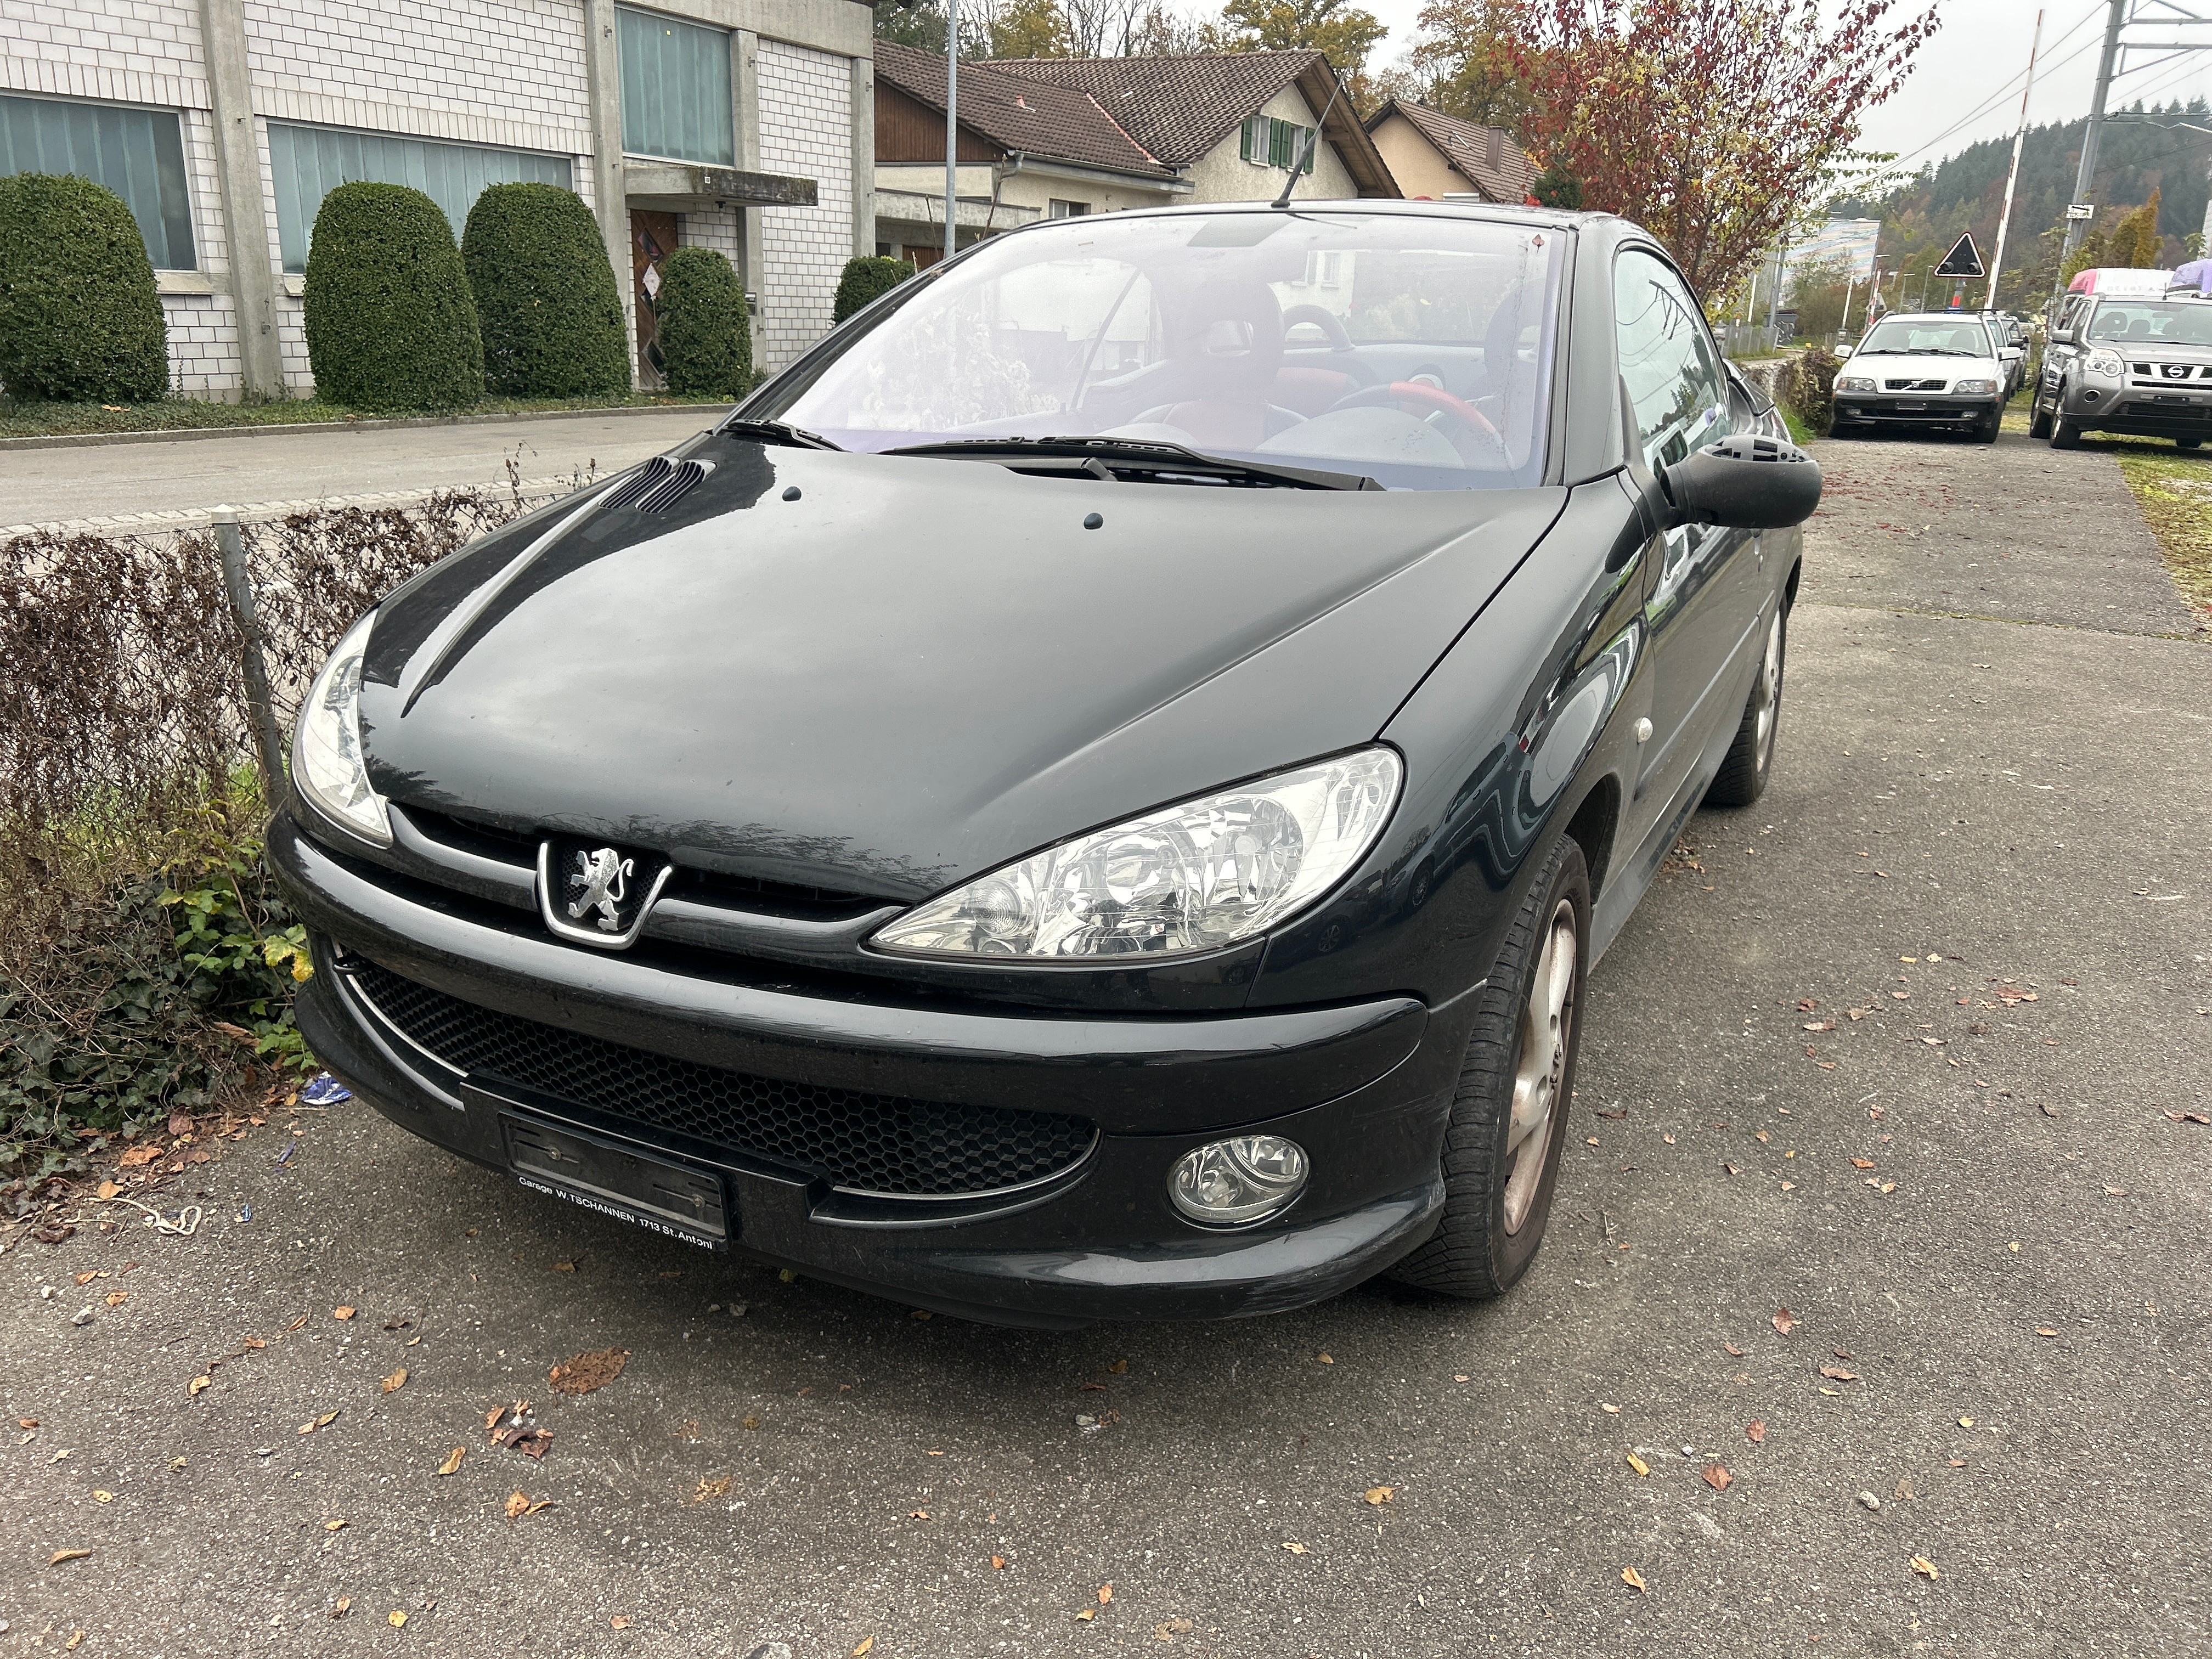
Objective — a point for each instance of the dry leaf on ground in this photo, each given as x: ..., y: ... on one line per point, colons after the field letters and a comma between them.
x: 198, y: 1383
x: 60, y: 1556
x: 1105, y: 1595
x: 1837, y: 1374
x: 397, y: 1380
x: 718, y: 1487
x: 1380, y: 1494
x: 998, y: 1564
x: 620, y: 1621
x: 1637, y: 1463
x: 1634, y: 1580
x: 1926, y: 1568
x: 590, y: 1370
x: 334, y: 1526
x: 339, y: 1608
x: 867, y: 1642
x: 453, y: 1463
x: 1717, y: 1476
x: 139, y: 1156
x: 1755, y: 1433
x: 342, y: 1313
x: 1784, y: 1320
x: 396, y: 1619
x: 1297, y: 1549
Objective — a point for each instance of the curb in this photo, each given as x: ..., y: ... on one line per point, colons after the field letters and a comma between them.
x: 536, y: 491
x: 709, y: 412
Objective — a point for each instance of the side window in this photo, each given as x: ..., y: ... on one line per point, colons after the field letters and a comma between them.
x: 1667, y: 360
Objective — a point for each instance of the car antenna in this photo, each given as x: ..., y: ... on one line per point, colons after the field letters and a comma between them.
x: 1299, y: 165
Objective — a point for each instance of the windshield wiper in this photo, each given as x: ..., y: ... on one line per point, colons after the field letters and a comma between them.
x: 776, y: 432
x: 1132, y: 459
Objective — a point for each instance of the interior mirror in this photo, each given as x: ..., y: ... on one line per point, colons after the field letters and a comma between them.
x: 1746, y: 482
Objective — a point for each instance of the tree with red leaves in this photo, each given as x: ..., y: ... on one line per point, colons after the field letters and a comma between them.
x: 1714, y: 124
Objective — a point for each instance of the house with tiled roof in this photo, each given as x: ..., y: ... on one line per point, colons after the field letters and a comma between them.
x: 1435, y: 155
x: 1058, y: 137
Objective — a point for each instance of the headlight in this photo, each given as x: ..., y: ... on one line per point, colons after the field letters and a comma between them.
x: 1971, y: 386
x: 1192, y: 877
x: 1856, y: 383
x: 328, y: 767
x: 2103, y: 362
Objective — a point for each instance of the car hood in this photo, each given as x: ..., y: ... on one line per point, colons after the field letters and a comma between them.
x: 878, y: 674
x: 1922, y: 366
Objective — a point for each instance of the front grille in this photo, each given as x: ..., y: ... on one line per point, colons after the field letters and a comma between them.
x: 863, y: 1143
x: 1913, y: 385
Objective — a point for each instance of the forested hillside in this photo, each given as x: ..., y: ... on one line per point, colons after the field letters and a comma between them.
x: 2136, y: 158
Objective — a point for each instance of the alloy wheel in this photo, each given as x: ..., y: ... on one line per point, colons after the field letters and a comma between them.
x: 1768, y: 709
x: 1547, y: 1025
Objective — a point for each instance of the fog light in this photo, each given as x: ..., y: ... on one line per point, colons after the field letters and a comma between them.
x: 1231, y: 1181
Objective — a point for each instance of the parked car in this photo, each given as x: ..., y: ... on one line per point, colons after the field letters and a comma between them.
x: 1936, y: 369
x: 1070, y: 804
x: 2010, y: 335
x: 2135, y: 363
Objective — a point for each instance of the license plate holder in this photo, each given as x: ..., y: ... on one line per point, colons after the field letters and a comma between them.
x: 663, y: 1195
x: 1912, y: 408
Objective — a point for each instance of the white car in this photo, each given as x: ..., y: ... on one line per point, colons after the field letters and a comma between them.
x: 1926, y: 369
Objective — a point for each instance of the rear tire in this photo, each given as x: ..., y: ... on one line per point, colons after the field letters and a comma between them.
x: 2188, y: 443
x: 2064, y: 434
x: 2038, y: 420
x: 1987, y: 432
x: 1742, y: 777
x: 1509, y: 1119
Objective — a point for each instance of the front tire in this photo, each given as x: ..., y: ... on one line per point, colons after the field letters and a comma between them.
x: 2188, y: 443
x: 1508, y: 1118
x: 2038, y: 420
x: 1742, y: 777
x: 2064, y: 434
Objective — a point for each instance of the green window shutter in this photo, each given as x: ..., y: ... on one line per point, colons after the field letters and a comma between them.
x: 675, y: 89
x: 1278, y: 142
x: 139, y: 153
x: 1256, y: 138
x: 1304, y: 133
x: 307, y: 163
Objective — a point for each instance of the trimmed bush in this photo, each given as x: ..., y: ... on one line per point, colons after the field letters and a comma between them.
x: 80, y: 321
x: 1812, y: 389
x: 706, y: 330
x: 863, y: 280
x: 550, y: 315
x: 391, y: 323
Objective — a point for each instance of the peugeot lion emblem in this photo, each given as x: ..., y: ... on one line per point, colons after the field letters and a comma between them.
x: 604, y: 876
x: 600, y: 896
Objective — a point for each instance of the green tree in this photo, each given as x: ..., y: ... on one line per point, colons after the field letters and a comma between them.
x: 80, y: 321
x: 1345, y: 34
x: 1030, y: 29
x: 550, y: 316
x: 1464, y: 56
x: 2089, y: 255
x: 391, y: 323
x: 863, y: 280
x: 706, y: 331
x: 2135, y: 241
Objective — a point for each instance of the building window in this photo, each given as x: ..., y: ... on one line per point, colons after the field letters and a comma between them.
x: 310, y: 162
x: 1269, y: 142
x: 139, y: 153
x: 1060, y: 209
x: 675, y: 89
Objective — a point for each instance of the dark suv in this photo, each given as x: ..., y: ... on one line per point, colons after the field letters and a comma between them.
x: 2121, y: 364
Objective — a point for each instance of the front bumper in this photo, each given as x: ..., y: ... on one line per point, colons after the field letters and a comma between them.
x: 1924, y: 408
x: 1365, y: 1089
x: 2143, y: 410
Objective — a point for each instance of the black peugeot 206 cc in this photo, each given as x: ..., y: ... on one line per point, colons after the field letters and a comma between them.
x: 1094, y: 793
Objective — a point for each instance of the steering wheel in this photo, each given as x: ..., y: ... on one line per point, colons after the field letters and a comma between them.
x: 1419, y: 398
x: 1327, y: 321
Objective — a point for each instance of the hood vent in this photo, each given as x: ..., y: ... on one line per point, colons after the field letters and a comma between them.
x: 657, y: 485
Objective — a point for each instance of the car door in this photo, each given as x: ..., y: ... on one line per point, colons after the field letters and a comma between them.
x: 1706, y: 597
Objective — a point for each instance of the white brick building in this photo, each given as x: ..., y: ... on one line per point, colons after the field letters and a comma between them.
x: 745, y: 126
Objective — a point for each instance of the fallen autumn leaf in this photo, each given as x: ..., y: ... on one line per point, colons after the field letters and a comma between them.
x: 1634, y: 1580
x: 1785, y: 1321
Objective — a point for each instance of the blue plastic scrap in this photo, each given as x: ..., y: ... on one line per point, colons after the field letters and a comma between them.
x: 324, y: 1091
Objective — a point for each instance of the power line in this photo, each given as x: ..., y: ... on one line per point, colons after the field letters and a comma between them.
x: 2005, y: 91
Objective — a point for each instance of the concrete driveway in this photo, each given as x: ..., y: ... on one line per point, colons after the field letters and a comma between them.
x: 1900, y: 1051
x: 105, y: 481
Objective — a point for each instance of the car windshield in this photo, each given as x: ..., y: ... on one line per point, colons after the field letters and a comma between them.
x: 1414, y: 350
x: 2187, y: 323
x: 1941, y: 336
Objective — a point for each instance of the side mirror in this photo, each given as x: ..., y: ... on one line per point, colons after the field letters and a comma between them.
x: 1743, y: 483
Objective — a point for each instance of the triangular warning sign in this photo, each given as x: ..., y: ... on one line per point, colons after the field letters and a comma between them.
x: 1964, y: 259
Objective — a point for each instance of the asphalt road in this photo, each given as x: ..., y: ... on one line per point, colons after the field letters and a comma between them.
x: 38, y: 486
x: 1986, y: 832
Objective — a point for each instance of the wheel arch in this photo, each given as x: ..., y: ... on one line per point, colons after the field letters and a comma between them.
x: 1593, y: 826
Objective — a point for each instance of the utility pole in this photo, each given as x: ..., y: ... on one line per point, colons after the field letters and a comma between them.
x: 952, y: 119
x: 2085, y: 176
x: 2012, y: 178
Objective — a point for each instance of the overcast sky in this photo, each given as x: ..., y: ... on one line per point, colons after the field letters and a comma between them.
x: 1978, y: 56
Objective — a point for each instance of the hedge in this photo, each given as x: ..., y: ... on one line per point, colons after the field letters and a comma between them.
x: 391, y: 323
x: 1810, y: 389
x: 80, y: 321
x: 551, y: 317
x: 866, y: 279
x: 706, y: 331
